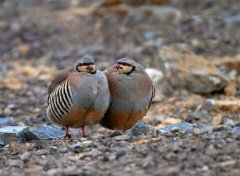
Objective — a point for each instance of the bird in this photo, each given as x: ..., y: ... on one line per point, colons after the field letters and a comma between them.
x: 78, y: 96
x: 131, y: 91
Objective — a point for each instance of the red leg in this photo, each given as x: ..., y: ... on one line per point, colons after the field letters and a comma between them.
x: 83, y: 132
x: 67, y: 135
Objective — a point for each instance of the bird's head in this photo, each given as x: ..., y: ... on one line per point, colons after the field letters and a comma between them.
x: 86, y: 64
x: 125, y: 65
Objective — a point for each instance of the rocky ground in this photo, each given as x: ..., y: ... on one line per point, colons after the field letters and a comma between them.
x: 191, y: 50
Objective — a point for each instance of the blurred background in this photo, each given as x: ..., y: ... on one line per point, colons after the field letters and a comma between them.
x: 37, y: 38
x: 190, y: 48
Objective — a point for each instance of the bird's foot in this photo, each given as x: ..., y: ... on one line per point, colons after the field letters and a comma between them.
x: 67, y: 136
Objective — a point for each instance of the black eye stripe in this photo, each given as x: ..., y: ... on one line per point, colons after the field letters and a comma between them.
x: 85, y: 64
x: 124, y: 63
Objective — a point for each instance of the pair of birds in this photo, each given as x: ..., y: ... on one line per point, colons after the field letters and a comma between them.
x: 116, y: 98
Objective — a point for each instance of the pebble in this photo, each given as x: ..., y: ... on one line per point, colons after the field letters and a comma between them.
x: 196, y: 116
x: 120, y: 153
x: 228, y: 122
x: 15, y: 163
x: 211, y: 150
x: 232, y: 73
x: 122, y: 137
x: 139, y: 129
x: 86, y: 143
x: 236, y: 130
x: 75, y: 145
x: 206, y: 129
x: 184, y: 126
x: 5, y: 121
x: 209, y: 105
x: 97, y: 136
x: 157, y: 119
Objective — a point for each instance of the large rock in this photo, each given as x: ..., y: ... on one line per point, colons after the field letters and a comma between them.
x: 155, y: 75
x: 43, y: 133
x: 197, y: 75
x: 158, y: 14
x: 12, y: 133
x: 157, y: 78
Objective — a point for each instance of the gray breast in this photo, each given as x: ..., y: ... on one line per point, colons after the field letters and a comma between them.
x: 92, y: 92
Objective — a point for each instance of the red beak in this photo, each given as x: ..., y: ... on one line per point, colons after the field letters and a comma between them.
x: 90, y: 67
x: 117, y: 66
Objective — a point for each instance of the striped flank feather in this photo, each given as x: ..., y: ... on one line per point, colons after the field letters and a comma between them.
x: 59, y: 102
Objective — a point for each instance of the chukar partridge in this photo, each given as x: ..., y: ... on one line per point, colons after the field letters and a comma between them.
x: 78, y: 96
x: 131, y: 95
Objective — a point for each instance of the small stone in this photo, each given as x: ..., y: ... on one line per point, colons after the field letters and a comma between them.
x: 75, y: 145
x: 86, y: 143
x: 184, y: 126
x: 95, y: 152
x: 232, y: 73
x: 220, y: 128
x: 236, y: 130
x: 211, y: 151
x: 209, y: 105
x: 223, y: 70
x: 196, y: 116
x: 149, y: 34
x: 122, y: 137
x: 227, y: 121
x: 53, y: 147
x: 50, y: 164
x: 120, y: 153
x: 112, y: 157
x: 206, y: 129
x: 217, y: 120
x: 158, y: 119
x: 5, y: 121
x: 97, y: 136
x: 227, y: 163
x: 12, y: 133
x: 175, y: 130
x: 25, y: 156
x: 15, y: 163
x: 139, y: 129
x: 45, y: 132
